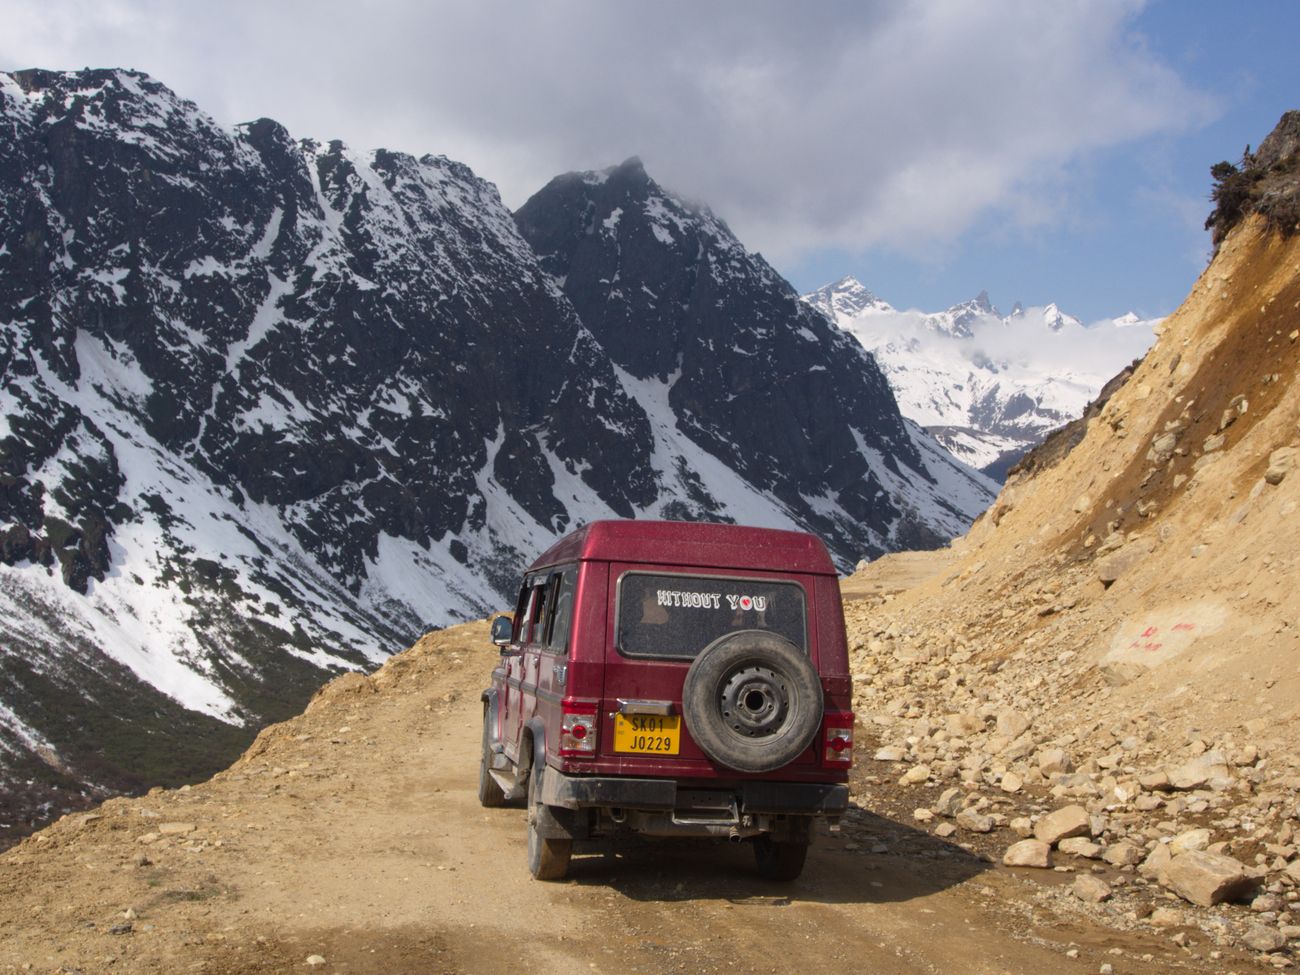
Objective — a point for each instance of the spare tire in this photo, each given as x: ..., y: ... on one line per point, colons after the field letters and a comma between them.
x: 752, y: 701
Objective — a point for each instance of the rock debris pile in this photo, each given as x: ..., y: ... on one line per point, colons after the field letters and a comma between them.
x: 1103, y: 677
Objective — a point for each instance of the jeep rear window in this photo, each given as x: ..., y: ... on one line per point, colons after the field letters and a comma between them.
x: 669, y: 615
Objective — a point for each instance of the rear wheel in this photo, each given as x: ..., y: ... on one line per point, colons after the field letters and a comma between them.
x: 548, y: 859
x: 779, y: 859
x: 490, y: 793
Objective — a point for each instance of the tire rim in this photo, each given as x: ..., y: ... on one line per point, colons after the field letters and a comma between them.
x: 755, y: 702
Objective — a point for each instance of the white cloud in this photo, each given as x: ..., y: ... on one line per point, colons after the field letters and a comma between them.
x: 842, y: 124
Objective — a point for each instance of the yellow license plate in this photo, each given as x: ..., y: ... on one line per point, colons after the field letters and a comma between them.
x: 648, y: 734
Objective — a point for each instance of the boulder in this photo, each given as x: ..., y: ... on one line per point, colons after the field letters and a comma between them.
x: 1062, y: 824
x: 1280, y: 463
x: 1166, y: 917
x: 1260, y: 937
x: 1081, y: 846
x: 1156, y: 863
x: 1207, y: 878
x: 1012, y: 723
x: 1155, y: 781
x: 1209, y: 769
x: 1028, y: 853
x: 1123, y: 855
x: 1054, y: 760
x: 1192, y: 839
x: 1090, y: 888
x: 948, y: 803
x: 1113, y: 566
x: 916, y: 775
x: 975, y: 822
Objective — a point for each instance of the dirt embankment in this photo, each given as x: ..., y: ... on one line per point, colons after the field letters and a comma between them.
x: 1121, y: 631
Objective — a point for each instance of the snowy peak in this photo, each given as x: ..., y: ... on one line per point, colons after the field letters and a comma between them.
x: 848, y: 297
x: 960, y: 320
x: 987, y: 386
x: 1055, y: 319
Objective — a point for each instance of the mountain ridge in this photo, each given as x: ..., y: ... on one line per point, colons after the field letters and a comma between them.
x: 273, y: 407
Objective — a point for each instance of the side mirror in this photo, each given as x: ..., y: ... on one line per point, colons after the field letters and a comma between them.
x: 502, y: 630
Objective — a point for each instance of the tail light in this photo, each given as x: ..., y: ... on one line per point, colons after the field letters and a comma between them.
x: 577, y: 729
x: 837, y: 734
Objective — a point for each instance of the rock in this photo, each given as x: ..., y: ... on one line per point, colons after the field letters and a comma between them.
x: 922, y: 815
x: 949, y: 802
x: 915, y: 775
x: 1293, y: 871
x: 1090, y: 888
x: 944, y: 830
x: 1260, y: 937
x: 1156, y: 863
x: 1123, y: 855
x: 175, y: 829
x: 1246, y: 756
x: 1162, y: 448
x: 890, y: 753
x: 1165, y: 917
x: 1113, y: 566
x: 1120, y: 672
x: 1012, y: 724
x: 1207, y: 878
x: 1208, y: 769
x: 1028, y: 853
x: 1081, y: 846
x: 315, y: 961
x: 1192, y: 839
x: 1012, y: 783
x: 1022, y: 826
x: 969, y: 819
x: 961, y: 725
x: 1155, y: 781
x: 1054, y: 760
x: 1280, y: 463
x: 1062, y: 824
x: 1267, y: 902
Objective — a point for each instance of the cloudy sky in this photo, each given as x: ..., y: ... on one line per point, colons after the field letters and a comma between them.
x: 1052, y: 151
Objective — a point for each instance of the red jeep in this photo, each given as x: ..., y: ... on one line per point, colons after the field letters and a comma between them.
x: 672, y: 679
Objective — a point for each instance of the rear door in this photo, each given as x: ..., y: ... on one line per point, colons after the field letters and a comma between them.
x: 662, y: 618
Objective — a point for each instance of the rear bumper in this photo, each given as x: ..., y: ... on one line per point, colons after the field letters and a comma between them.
x: 752, y: 798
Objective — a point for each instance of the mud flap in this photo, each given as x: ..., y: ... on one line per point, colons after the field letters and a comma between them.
x: 557, y: 823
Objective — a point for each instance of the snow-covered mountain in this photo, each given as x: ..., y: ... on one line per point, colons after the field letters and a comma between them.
x: 273, y: 407
x: 988, y: 386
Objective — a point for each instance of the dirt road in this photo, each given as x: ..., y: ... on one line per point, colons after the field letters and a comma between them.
x: 351, y: 836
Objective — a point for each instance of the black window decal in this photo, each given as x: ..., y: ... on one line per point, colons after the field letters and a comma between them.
x: 663, y: 615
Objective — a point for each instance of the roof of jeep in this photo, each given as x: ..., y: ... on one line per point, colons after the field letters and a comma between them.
x: 697, y: 544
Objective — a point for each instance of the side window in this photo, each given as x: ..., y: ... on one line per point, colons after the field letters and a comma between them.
x: 537, y: 612
x: 522, y: 608
x: 562, y: 583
